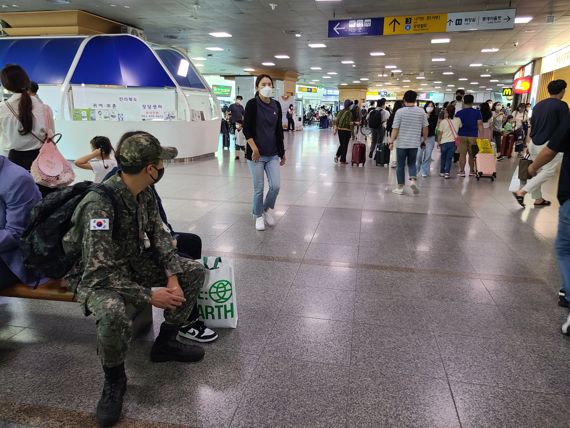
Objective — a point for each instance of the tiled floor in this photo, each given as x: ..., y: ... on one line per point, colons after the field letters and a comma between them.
x: 359, y: 309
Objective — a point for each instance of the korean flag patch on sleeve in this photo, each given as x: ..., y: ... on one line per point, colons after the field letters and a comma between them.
x: 99, y: 224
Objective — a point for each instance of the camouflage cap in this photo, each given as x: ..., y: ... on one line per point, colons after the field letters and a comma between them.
x: 142, y: 149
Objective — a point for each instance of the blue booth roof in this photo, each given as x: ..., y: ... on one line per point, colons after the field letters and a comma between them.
x: 120, y: 60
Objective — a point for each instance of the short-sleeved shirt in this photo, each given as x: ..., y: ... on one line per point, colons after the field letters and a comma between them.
x: 410, y: 122
x: 560, y: 142
x: 102, y: 168
x: 237, y: 111
x: 469, y: 118
x: 447, y: 133
x: 266, y: 136
x: 547, y: 116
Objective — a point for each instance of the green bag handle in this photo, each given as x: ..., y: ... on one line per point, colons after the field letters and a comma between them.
x: 217, y: 261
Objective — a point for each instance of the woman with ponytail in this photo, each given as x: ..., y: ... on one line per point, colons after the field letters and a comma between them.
x: 99, y: 160
x: 22, y: 118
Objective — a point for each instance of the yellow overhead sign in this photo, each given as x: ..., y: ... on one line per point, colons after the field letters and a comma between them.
x: 307, y: 89
x: 415, y: 24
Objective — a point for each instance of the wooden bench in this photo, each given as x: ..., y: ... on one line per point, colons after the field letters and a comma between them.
x: 56, y: 290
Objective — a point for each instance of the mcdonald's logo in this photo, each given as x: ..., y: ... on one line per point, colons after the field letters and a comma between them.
x: 507, y: 92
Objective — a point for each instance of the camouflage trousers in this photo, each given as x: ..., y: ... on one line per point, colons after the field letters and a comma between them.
x: 108, y: 305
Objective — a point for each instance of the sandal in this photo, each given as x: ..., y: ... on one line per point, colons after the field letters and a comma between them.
x: 520, y: 199
x: 544, y: 203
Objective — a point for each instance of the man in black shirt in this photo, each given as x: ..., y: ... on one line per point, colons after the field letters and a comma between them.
x: 237, y: 111
x: 546, y: 118
x: 560, y: 144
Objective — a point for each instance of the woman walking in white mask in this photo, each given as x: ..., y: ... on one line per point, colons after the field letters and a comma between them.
x: 425, y: 151
x: 265, y: 150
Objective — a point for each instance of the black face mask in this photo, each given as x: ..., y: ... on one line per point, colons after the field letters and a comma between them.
x: 160, y: 174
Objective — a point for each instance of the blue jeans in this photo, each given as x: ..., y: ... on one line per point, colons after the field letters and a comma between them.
x: 410, y: 156
x: 424, y: 156
x: 265, y: 165
x: 447, y: 151
x: 563, y: 247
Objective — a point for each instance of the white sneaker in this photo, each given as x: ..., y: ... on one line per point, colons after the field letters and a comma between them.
x: 260, y: 223
x: 269, y: 218
x: 566, y: 327
x: 415, y: 188
x: 398, y: 191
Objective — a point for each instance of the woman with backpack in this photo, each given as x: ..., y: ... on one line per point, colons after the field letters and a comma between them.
x: 23, y: 124
x: 343, y: 126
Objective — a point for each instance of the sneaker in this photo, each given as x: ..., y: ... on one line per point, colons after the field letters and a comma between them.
x: 446, y: 176
x: 269, y: 218
x: 424, y: 175
x: 415, y: 188
x: 441, y: 174
x: 472, y: 174
x: 566, y: 327
x: 260, y: 223
x: 198, y: 332
x: 562, y: 302
x: 461, y: 174
x: 398, y: 191
x: 500, y: 158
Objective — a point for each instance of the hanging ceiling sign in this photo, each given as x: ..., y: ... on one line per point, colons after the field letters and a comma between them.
x: 307, y: 89
x: 507, y: 92
x: 485, y: 20
x: 522, y: 85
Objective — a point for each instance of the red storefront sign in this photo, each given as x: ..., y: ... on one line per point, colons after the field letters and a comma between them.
x: 522, y: 85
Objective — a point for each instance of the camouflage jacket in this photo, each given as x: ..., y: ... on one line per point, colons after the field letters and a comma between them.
x: 107, y: 261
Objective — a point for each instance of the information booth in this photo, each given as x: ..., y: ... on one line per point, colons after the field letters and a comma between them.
x: 110, y: 84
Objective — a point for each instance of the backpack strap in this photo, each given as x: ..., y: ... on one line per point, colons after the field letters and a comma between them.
x: 17, y: 117
x: 106, y: 191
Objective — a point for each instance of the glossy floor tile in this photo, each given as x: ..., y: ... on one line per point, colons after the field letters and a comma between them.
x: 360, y: 308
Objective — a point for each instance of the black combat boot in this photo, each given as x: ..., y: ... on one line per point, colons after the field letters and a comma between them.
x: 167, y: 348
x: 111, y: 403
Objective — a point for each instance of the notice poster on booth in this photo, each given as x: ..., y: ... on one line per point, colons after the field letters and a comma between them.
x: 152, y: 112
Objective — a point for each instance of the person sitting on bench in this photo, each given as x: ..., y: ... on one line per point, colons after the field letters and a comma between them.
x: 18, y: 195
x: 117, y: 270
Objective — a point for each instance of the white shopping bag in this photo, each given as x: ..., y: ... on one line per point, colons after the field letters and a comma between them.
x: 217, y: 303
x: 515, y: 182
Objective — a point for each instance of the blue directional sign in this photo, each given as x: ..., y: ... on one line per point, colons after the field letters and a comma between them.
x: 356, y: 27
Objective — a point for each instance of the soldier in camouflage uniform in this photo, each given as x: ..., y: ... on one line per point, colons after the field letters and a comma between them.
x: 120, y: 267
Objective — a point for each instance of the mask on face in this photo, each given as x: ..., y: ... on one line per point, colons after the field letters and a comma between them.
x: 429, y: 109
x: 498, y: 108
x: 160, y: 174
x: 266, y: 91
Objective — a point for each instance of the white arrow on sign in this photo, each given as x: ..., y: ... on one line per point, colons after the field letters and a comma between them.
x: 336, y: 28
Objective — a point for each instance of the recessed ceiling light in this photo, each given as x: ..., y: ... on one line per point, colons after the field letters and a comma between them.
x: 221, y: 34
x: 500, y: 84
x: 377, y: 54
x: 344, y: 84
x: 268, y: 64
x: 482, y: 86
x: 420, y: 77
x: 396, y: 71
x: 364, y: 79
x: 356, y: 81
x: 125, y: 6
x: 438, y: 59
x: 317, y: 45
x: 316, y: 68
x: 449, y: 90
x: 437, y: 81
x: 214, y: 49
x: 327, y: 77
x: 282, y: 56
x: 463, y: 79
x: 406, y: 81
x: 461, y: 87
x: 490, y: 50
x: 353, y: 66
x: 332, y: 73
x: 249, y: 69
x: 493, y: 80
x: 523, y: 19
x: 451, y: 86
x: 315, y: 80
x: 485, y: 75
x: 347, y: 62
x: 448, y: 73
x: 391, y: 66
x: 379, y: 85
x: 198, y: 58
x: 297, y: 35
x: 437, y: 87
x: 405, y: 86
x: 473, y: 83
x: 438, y: 41
x: 475, y: 65
x: 423, y: 84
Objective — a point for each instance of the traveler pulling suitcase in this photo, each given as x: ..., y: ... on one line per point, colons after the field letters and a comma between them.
x: 382, y: 155
x: 358, y: 154
x: 485, y: 166
x: 507, y: 146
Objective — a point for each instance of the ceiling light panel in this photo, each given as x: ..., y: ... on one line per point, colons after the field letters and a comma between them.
x: 221, y: 34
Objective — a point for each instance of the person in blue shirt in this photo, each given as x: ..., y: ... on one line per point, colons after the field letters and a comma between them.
x: 471, y: 129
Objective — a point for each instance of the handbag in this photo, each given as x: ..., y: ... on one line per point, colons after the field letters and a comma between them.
x: 452, y: 129
x: 50, y: 168
x: 217, y: 301
x: 524, y: 163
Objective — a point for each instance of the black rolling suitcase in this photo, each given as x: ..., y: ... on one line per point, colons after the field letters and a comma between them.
x: 382, y: 154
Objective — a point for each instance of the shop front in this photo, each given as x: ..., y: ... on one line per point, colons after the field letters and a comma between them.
x: 553, y: 67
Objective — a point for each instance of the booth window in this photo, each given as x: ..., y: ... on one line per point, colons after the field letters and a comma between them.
x: 180, y: 68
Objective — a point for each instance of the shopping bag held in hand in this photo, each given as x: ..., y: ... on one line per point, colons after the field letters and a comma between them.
x: 515, y: 182
x: 217, y: 303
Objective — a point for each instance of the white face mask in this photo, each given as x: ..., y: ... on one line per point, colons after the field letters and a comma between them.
x: 498, y: 108
x: 429, y: 109
x: 266, y: 91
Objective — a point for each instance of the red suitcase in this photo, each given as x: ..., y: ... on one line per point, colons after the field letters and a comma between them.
x: 507, y: 146
x: 486, y: 166
x: 358, y: 154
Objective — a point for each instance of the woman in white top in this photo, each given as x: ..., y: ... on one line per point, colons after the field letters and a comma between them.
x: 521, y: 116
x: 99, y: 160
x: 22, y: 118
x: 447, y: 133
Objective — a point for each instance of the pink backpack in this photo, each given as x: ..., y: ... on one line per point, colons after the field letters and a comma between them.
x: 50, y: 168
